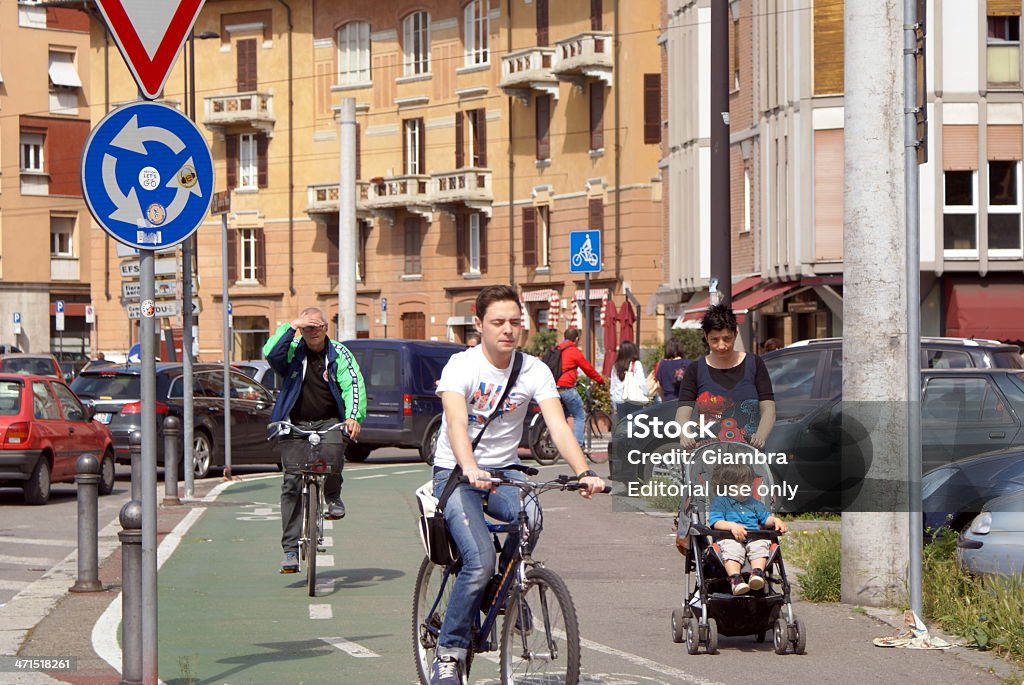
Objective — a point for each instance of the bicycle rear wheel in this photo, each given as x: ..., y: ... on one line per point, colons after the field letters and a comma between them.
x: 540, y: 639
x: 429, y: 604
x: 542, y: 447
x: 599, y: 423
x: 313, y: 533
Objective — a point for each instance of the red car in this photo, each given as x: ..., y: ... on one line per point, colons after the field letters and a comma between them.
x: 43, y: 430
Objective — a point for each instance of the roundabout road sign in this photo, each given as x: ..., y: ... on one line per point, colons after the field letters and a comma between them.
x: 147, y: 175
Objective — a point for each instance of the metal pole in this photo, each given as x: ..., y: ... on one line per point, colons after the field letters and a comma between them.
x: 172, y: 431
x: 721, y: 227
x: 147, y: 331
x: 347, y: 220
x: 131, y: 593
x: 87, y: 478
x: 227, y: 343
x: 911, y: 179
x: 135, y: 450
x: 586, y: 352
x: 188, y: 389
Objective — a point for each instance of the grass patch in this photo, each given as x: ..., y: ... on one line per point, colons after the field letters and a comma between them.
x: 988, y: 611
x: 809, y: 516
x: 661, y: 502
x: 817, y: 553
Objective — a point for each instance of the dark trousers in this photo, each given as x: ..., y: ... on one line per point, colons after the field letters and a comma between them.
x: 294, y: 453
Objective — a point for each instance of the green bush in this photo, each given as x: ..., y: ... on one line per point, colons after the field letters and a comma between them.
x: 818, y: 554
x: 541, y: 342
x: 693, y: 347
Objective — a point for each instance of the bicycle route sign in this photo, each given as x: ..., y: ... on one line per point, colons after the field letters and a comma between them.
x: 584, y: 251
x: 147, y: 175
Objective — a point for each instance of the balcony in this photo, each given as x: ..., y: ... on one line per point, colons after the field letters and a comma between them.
x: 64, y: 268
x: 585, y: 55
x: 529, y: 69
x: 411, y: 193
x: 470, y: 187
x: 255, y: 110
x: 323, y: 199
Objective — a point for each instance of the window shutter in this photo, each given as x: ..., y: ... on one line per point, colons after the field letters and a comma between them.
x: 332, y: 250
x: 232, y: 255
x: 460, y: 155
x: 481, y: 138
x: 529, y: 236
x: 595, y: 215
x: 1004, y: 142
x: 596, y: 116
x: 595, y: 15
x: 412, y: 245
x: 542, y: 22
x: 405, y: 145
x: 461, y: 243
x: 261, y: 255
x: 543, y: 107
x: 246, y: 65
x: 261, y: 160
x: 421, y: 168
x: 231, y: 154
x: 960, y: 147
x: 359, y: 151
x: 364, y: 237
x: 652, y: 108
x: 1003, y: 8
x: 483, y: 243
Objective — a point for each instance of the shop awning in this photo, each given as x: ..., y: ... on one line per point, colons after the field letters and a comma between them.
x: 62, y: 73
x: 753, y: 300
x: 994, y: 311
x: 696, y: 310
x: 459, y: 321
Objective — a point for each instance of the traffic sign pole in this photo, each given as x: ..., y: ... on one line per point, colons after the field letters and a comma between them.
x: 147, y: 335
x: 227, y: 343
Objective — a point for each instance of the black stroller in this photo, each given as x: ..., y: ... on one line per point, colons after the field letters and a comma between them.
x: 709, y: 608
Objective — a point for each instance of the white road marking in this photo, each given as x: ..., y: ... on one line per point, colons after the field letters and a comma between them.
x: 325, y: 560
x: 325, y: 587
x: 44, y: 542
x: 375, y: 475
x: 25, y: 561
x: 637, y: 660
x: 320, y: 611
x: 402, y: 473
x: 328, y: 525
x: 350, y: 648
x: 262, y: 511
x: 13, y: 584
x: 328, y: 541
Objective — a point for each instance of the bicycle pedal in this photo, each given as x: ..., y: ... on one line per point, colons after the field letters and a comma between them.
x: 321, y: 550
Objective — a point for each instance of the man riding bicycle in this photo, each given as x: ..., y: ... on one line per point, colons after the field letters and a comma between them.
x: 573, y: 359
x: 321, y: 385
x: 471, y: 384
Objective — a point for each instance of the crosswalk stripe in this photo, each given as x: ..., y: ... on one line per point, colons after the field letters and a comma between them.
x: 27, y: 561
x: 325, y: 587
x: 376, y: 475
x: 350, y: 648
x: 329, y: 525
x: 325, y: 560
x: 401, y: 473
x: 43, y: 542
x: 320, y: 611
x: 328, y: 541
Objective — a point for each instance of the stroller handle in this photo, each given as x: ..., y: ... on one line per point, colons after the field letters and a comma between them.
x: 727, y: 535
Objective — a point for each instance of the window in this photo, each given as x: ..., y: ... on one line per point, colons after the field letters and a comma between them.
x: 960, y: 401
x: 543, y: 237
x: 69, y: 404
x: 597, y: 116
x: 364, y: 237
x: 946, y: 359
x: 1004, y: 208
x: 1003, y: 50
x: 652, y: 109
x: 248, y: 261
x: 414, y: 147
x: 735, y: 51
x: 44, y: 404
x: 746, y: 199
x: 542, y: 22
x: 529, y: 236
x: 32, y: 153
x: 543, y: 107
x: 62, y: 233
x: 31, y: 14
x: 331, y: 231
x: 960, y: 214
x: 354, y: 53
x: 413, y: 246
x: 476, y: 26
x: 476, y: 139
x: 416, y: 43
x: 471, y: 236
x: 595, y: 15
x: 64, y: 82
x: 247, y: 77
x: 247, y: 161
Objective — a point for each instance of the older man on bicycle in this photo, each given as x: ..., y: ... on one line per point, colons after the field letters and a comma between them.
x: 321, y: 385
x: 471, y: 385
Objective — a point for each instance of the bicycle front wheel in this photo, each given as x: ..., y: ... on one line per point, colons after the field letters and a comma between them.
x: 313, y: 532
x: 429, y: 604
x: 599, y: 423
x: 540, y: 639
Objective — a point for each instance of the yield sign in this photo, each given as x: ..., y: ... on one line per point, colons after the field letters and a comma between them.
x: 149, y: 34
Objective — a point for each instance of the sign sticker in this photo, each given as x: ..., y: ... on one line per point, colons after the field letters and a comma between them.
x: 148, y: 309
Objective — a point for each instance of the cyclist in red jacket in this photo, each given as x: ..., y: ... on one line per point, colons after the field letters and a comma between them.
x: 573, y: 359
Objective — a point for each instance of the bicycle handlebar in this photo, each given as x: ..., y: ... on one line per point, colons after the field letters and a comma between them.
x: 562, y: 482
x: 289, y: 427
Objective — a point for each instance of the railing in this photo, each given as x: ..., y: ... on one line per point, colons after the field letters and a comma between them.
x: 590, y: 50
x: 323, y: 197
x: 397, y: 191
x: 239, y: 107
x: 525, y: 66
x: 462, y: 185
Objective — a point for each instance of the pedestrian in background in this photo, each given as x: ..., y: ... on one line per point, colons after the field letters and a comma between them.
x: 671, y: 369
x: 629, y: 384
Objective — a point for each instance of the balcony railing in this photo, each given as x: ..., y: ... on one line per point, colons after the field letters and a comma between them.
x: 406, y: 192
x: 529, y: 69
x: 251, y: 109
x: 585, y: 54
x: 471, y: 187
x: 323, y: 197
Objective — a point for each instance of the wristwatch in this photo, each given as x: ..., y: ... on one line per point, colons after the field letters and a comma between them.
x: 589, y: 473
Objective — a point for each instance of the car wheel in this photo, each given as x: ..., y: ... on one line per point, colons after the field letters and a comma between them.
x: 37, y: 488
x: 357, y: 452
x: 107, y: 474
x: 202, y: 455
x: 428, y: 446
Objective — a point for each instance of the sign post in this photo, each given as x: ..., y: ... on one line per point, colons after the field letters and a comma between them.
x: 16, y: 321
x: 59, y: 324
x: 585, y: 258
x: 222, y: 205
x: 384, y: 314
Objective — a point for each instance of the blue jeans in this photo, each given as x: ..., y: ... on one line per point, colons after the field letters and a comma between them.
x: 573, y: 405
x: 467, y: 526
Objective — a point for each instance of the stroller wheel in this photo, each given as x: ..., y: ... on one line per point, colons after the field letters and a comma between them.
x: 712, y: 643
x: 760, y: 636
x: 800, y: 643
x: 692, y: 636
x: 781, y: 637
x: 678, y: 625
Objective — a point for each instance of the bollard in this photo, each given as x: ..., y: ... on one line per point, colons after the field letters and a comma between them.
x: 131, y: 593
x: 87, y: 477
x: 135, y: 448
x: 172, y: 431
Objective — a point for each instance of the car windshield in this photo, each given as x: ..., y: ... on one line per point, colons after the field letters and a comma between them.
x: 10, y: 398
x: 108, y: 386
x: 37, y: 366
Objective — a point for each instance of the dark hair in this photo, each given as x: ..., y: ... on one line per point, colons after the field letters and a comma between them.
x: 473, y: 335
x: 628, y: 353
x: 770, y: 345
x: 495, y: 293
x: 733, y: 474
x: 572, y: 334
x: 718, y: 318
x: 673, y: 348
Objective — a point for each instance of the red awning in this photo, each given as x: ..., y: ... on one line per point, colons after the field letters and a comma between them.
x: 697, y: 309
x: 70, y: 308
x: 993, y: 310
x: 759, y: 297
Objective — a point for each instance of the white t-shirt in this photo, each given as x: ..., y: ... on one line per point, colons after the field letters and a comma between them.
x: 470, y: 374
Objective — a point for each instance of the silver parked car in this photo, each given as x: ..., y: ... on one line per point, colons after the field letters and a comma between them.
x: 259, y: 370
x: 994, y: 542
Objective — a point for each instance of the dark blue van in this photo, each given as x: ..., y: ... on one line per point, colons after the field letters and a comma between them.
x: 402, y: 409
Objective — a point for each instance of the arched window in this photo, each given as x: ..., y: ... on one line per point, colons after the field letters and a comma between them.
x: 416, y: 43
x: 476, y: 26
x: 354, y: 53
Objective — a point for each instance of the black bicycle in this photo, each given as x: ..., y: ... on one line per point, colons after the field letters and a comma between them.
x: 540, y: 637
x: 314, y: 471
x: 598, y: 426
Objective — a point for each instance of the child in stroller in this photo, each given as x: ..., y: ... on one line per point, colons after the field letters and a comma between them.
x: 713, y: 603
